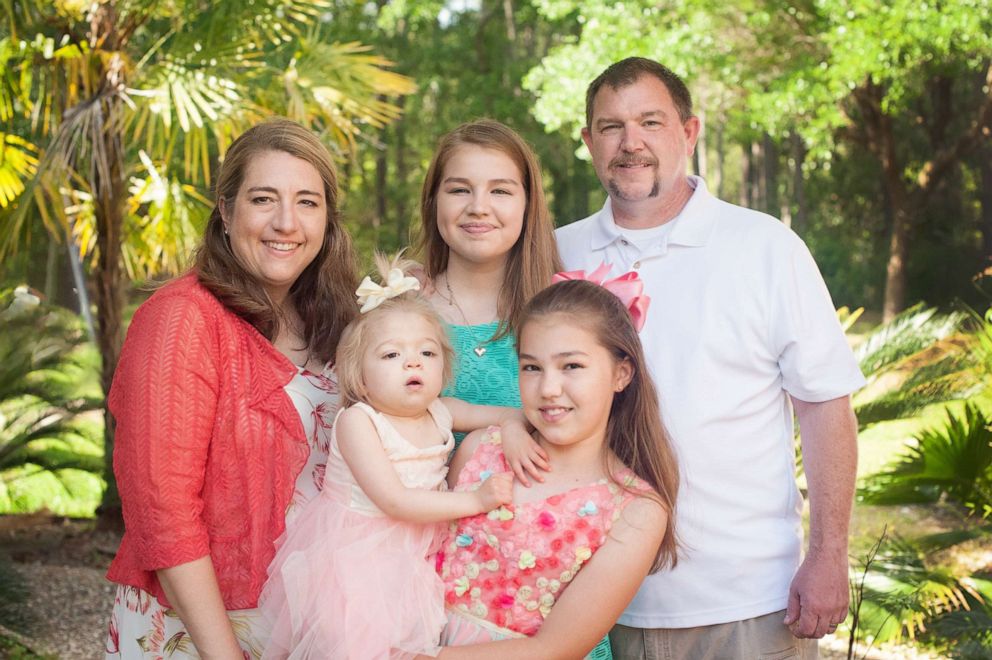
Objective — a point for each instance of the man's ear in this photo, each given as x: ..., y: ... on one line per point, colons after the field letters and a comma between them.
x: 587, y: 137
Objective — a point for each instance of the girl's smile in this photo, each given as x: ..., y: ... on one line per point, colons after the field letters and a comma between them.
x: 567, y: 380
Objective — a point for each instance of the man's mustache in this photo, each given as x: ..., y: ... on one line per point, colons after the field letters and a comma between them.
x: 627, y: 161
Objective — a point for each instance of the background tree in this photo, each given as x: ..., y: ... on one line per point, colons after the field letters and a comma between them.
x: 909, y: 83
x: 114, y: 111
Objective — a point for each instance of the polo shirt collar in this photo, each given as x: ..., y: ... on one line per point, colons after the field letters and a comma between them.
x: 693, y: 225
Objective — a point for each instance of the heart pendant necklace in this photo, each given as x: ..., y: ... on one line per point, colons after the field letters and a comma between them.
x: 480, y: 348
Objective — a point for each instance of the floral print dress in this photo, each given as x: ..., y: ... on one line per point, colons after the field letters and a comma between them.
x: 503, y: 571
x: 142, y: 627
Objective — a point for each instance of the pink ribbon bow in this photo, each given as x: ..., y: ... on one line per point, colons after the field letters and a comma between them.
x: 628, y: 288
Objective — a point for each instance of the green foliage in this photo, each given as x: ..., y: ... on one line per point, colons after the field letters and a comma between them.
x: 966, y: 634
x: 919, y: 358
x: 51, y: 451
x: 954, y: 461
x: 875, y: 109
x: 898, y: 590
x: 194, y: 79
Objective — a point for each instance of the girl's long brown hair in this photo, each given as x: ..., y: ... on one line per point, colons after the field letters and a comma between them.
x: 634, y: 432
x: 324, y: 293
x: 533, y: 259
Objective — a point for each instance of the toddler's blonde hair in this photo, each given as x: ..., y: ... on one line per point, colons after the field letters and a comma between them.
x: 354, y: 340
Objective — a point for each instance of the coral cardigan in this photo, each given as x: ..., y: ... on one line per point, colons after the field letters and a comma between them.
x: 208, y: 444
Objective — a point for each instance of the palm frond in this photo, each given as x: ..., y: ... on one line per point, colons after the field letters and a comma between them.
x: 342, y: 88
x: 166, y: 220
x: 902, y: 593
x: 184, y: 108
x: 910, y: 332
x: 18, y: 162
x: 953, y: 461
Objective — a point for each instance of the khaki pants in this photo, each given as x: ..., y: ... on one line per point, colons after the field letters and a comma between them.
x: 761, y: 638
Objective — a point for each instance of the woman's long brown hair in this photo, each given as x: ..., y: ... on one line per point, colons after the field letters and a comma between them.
x: 634, y: 432
x: 533, y: 259
x: 324, y: 293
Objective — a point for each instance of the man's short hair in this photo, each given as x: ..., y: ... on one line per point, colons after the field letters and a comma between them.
x: 626, y: 72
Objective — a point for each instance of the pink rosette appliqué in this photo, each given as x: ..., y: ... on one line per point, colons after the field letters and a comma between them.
x: 628, y: 288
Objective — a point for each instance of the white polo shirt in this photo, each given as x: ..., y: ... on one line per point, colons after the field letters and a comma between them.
x: 739, y: 318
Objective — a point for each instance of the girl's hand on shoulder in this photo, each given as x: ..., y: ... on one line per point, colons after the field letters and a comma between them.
x: 523, y: 454
x: 495, y: 491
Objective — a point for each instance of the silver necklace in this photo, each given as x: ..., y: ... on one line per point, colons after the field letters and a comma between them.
x: 480, y: 348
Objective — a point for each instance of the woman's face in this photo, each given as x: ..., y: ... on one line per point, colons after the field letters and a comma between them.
x: 276, y: 223
x: 480, y: 205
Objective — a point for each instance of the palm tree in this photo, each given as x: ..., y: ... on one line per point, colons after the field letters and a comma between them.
x: 113, y: 111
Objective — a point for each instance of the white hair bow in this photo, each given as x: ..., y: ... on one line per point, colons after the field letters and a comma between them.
x: 371, y: 295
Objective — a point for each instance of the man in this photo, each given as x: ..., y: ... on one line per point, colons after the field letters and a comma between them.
x: 740, y: 325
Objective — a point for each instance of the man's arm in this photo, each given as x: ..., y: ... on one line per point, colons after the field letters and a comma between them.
x: 818, y: 597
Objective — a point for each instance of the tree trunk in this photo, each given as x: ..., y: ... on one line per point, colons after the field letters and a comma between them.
x: 770, y: 174
x: 985, y: 195
x: 881, y: 141
x: 718, y: 182
x: 799, y: 218
x: 402, y: 212
x: 107, y: 178
x: 746, y: 195
x: 895, y: 270
x: 757, y: 181
x: 381, y: 182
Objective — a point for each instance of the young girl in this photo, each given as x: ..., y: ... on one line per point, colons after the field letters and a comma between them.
x: 550, y: 573
x: 352, y: 577
x: 488, y: 244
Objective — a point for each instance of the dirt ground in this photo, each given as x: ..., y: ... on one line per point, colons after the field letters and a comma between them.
x: 64, y: 561
x: 63, y: 564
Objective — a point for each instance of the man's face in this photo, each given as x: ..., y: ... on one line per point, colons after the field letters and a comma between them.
x: 639, y: 146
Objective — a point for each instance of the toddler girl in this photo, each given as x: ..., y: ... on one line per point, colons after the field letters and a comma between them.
x: 550, y: 573
x: 352, y: 577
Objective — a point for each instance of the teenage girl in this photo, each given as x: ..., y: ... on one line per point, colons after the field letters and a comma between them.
x: 487, y: 240
x: 550, y: 573
x: 354, y: 575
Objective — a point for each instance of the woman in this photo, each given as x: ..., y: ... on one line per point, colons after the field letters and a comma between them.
x: 223, y: 399
x: 488, y: 243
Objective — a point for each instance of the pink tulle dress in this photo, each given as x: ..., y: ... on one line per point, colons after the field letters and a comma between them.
x: 503, y: 571
x: 349, y: 582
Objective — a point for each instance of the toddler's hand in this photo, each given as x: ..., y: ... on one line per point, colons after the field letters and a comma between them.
x: 496, y: 491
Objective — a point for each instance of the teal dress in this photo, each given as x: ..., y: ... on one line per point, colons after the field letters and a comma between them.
x: 486, y: 373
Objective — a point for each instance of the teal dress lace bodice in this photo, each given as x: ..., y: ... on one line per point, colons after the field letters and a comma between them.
x: 485, y: 372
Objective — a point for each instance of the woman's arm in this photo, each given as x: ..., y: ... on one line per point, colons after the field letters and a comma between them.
x: 524, y: 456
x: 164, y: 399
x: 595, y: 598
x: 362, y: 451
x: 195, y: 596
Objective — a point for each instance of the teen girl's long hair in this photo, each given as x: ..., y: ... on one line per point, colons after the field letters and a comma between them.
x: 533, y: 259
x: 634, y: 432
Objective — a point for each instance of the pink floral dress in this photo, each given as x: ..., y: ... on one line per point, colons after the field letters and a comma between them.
x: 503, y: 571
x: 142, y: 627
